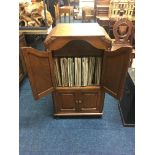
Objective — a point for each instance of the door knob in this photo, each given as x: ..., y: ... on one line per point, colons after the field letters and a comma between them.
x: 80, y: 101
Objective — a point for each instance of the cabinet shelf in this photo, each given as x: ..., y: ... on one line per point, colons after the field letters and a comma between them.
x: 79, y: 88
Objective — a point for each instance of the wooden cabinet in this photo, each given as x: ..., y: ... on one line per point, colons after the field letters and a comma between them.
x: 48, y: 72
x: 22, y: 67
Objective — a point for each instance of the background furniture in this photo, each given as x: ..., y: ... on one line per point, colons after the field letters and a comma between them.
x: 51, y: 8
x: 125, y: 8
x: 122, y: 30
x: 102, y: 8
x: 56, y: 10
x: 65, y: 10
x: 88, y: 14
x: 117, y: 9
x: 104, y: 22
x: 102, y: 13
x: 127, y: 104
x: 66, y: 41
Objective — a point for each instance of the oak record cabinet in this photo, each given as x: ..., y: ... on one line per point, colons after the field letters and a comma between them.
x: 77, y: 95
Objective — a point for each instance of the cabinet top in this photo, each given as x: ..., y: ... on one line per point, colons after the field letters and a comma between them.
x: 92, y: 33
x: 78, y: 29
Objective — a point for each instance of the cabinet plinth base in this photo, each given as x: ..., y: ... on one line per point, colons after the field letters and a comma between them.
x: 78, y: 114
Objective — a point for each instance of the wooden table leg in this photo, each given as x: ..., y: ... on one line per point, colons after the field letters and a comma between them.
x: 60, y: 18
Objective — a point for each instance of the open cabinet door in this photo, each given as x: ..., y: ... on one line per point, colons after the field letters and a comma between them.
x: 39, y: 68
x: 115, y: 67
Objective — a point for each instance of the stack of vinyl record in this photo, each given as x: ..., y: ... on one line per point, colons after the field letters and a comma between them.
x: 78, y: 71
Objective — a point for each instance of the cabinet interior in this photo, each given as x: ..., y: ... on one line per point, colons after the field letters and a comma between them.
x: 80, y: 66
x: 77, y: 71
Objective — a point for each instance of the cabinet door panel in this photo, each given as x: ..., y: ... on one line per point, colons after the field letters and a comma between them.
x: 39, y: 67
x: 65, y: 102
x: 115, y: 66
x: 90, y: 101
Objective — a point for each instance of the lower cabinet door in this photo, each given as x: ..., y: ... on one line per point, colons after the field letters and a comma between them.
x: 91, y: 101
x: 78, y: 102
x: 65, y: 102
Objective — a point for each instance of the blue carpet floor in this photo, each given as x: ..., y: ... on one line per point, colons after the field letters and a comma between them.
x: 41, y: 134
